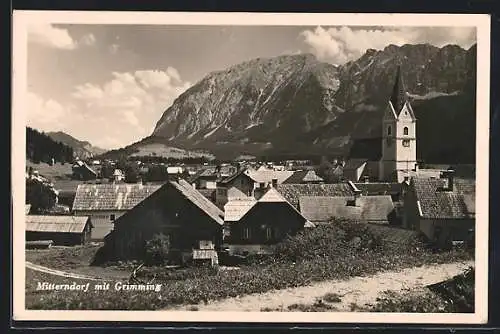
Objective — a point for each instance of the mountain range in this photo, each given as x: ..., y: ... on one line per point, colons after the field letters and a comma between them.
x: 296, y: 104
x: 81, y: 149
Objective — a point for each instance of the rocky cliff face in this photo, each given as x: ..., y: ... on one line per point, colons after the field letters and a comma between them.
x: 297, y: 104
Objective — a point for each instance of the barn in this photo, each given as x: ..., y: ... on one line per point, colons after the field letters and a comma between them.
x: 176, y: 210
x: 62, y: 230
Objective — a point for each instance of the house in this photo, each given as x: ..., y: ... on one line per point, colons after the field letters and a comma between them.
x: 354, y: 168
x: 62, y: 230
x: 292, y: 192
x: 252, y: 226
x: 176, y: 210
x: 205, y: 178
x: 82, y: 171
x: 304, y: 176
x: 377, y: 209
x: 248, y: 182
x: 443, y: 209
x: 394, y: 189
x: 104, y: 203
x: 118, y: 175
x: 175, y: 170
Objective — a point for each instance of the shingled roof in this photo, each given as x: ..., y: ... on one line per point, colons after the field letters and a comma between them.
x: 64, y: 224
x: 303, y: 176
x: 199, y: 200
x: 93, y: 197
x: 367, y: 209
x: 437, y: 203
x: 379, y: 188
x: 235, y: 210
x: 292, y: 192
x: 268, y: 175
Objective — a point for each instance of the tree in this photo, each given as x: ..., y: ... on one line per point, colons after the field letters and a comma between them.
x: 131, y: 172
x: 157, y: 249
x: 41, y: 196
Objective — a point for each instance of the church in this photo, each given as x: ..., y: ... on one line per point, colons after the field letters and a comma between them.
x: 398, y: 161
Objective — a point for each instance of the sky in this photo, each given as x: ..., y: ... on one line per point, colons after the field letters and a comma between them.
x: 110, y: 84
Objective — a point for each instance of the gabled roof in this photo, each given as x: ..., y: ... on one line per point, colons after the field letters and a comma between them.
x: 292, y: 192
x: 436, y: 203
x: 93, y: 197
x: 235, y: 210
x: 303, y: 176
x: 64, y: 224
x: 352, y: 164
x: 272, y: 195
x: 199, y: 200
x: 367, y: 209
x: 267, y: 176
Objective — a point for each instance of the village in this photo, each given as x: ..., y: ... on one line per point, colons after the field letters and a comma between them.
x: 222, y: 215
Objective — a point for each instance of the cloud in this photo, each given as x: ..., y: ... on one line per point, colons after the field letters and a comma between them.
x: 127, y: 106
x: 48, y: 35
x: 59, y: 38
x: 341, y: 44
x: 88, y: 39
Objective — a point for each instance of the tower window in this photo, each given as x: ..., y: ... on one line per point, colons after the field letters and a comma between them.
x: 405, y: 131
x: 406, y: 143
x: 389, y: 130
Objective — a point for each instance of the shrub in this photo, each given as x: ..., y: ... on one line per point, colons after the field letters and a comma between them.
x: 157, y: 250
x: 332, y: 298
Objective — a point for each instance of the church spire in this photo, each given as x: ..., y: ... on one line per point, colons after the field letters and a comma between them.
x: 398, y: 97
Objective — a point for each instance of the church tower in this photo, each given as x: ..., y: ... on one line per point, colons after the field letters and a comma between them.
x: 399, y: 143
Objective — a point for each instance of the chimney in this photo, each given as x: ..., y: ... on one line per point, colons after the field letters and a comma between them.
x: 416, y: 167
x: 449, y: 175
x: 274, y: 183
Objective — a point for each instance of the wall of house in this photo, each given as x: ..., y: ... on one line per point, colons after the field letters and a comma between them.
x: 103, y: 224
x: 166, y: 212
x: 240, y: 188
x: 59, y: 238
x: 451, y: 229
x: 249, y: 249
x: 208, y: 184
x: 411, y: 214
x: 280, y: 218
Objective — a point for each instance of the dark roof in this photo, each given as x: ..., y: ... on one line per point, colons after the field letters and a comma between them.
x: 436, y: 203
x: 229, y: 179
x: 64, y: 224
x: 199, y: 200
x: 368, y: 189
x: 367, y: 209
x: 121, y: 196
x: 292, y: 192
x: 354, y: 163
x: 303, y: 176
x: 398, y: 96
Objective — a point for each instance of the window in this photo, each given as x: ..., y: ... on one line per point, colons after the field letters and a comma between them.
x: 405, y: 131
x: 389, y: 130
x: 406, y: 143
x: 269, y: 233
x: 246, y: 233
x: 112, y: 217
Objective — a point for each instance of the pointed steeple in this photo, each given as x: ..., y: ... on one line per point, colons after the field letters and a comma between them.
x: 398, y: 97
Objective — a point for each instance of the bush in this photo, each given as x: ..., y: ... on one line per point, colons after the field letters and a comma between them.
x: 157, y: 250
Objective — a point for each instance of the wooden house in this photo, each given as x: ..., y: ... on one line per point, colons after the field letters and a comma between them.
x: 176, y: 210
x: 443, y: 209
x: 82, y: 171
x: 105, y: 203
x: 247, y: 183
x: 252, y: 226
x: 62, y: 230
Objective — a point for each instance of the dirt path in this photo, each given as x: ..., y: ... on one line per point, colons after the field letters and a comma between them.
x: 358, y: 290
x: 60, y: 273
